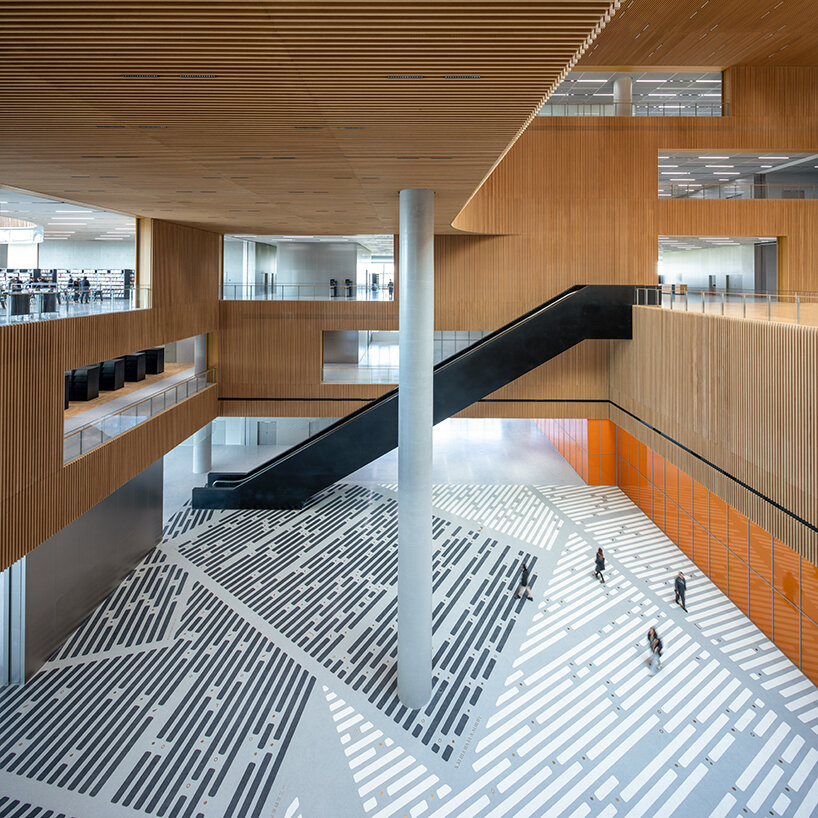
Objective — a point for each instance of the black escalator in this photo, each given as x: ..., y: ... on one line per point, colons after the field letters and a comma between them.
x: 289, y: 480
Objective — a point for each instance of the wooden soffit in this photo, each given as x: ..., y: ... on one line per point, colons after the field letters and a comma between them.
x: 711, y: 33
x: 274, y: 117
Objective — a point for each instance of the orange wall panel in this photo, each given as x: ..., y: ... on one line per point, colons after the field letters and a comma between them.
x: 671, y: 481
x: 718, y: 518
x: 786, y: 626
x: 761, y: 603
x: 737, y: 534
x: 686, y: 534
x: 809, y: 648
x: 686, y: 493
x: 809, y: 589
x: 761, y: 551
x: 701, y: 548
x: 701, y: 504
x: 786, y: 571
x: 739, y: 582
x: 718, y: 563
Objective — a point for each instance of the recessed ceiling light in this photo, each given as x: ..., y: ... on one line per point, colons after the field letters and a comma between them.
x: 714, y: 157
x: 719, y: 166
x: 708, y: 81
x: 773, y: 157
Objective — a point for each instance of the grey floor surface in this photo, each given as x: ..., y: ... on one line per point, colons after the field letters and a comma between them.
x: 246, y: 668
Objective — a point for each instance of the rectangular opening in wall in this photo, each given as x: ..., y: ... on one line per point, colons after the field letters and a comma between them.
x: 719, y: 263
x: 720, y: 174
x: 62, y: 260
x: 373, y: 356
x: 736, y: 276
x: 105, y: 399
x: 309, y: 268
x: 638, y: 93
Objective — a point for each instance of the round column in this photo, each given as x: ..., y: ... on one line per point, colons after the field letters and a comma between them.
x: 415, y: 447
x: 203, y: 449
x: 623, y: 99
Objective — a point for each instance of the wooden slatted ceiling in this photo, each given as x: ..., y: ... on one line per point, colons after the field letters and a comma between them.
x: 275, y: 117
x: 716, y: 33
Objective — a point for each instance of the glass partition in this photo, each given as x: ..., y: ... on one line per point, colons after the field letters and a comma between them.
x: 98, y: 432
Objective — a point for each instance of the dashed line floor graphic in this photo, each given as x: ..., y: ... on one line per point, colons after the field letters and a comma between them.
x: 247, y: 668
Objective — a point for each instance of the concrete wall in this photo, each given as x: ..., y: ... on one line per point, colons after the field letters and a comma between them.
x: 316, y: 262
x: 69, y: 574
x: 88, y: 255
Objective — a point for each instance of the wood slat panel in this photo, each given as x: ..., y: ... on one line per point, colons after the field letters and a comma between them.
x: 275, y: 117
x: 741, y: 394
x: 37, y: 492
x: 697, y: 33
x: 41, y: 508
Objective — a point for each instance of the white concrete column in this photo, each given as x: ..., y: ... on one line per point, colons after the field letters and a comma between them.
x: 622, y: 89
x: 415, y: 447
x: 203, y: 449
x: 199, y: 354
x: 203, y: 439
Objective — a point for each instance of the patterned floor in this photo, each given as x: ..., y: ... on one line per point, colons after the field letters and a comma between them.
x: 246, y: 668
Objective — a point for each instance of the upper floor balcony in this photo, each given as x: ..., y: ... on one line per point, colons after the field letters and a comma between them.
x: 638, y: 93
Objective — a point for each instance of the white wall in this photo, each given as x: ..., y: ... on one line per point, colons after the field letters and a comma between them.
x: 693, y: 267
x: 22, y: 256
x: 233, y: 261
x: 266, y: 262
x: 88, y: 255
x: 316, y: 262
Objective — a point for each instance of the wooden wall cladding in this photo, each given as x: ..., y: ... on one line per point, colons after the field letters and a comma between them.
x: 41, y: 508
x: 743, y: 395
x: 33, y: 358
x: 270, y: 362
x: 575, y: 200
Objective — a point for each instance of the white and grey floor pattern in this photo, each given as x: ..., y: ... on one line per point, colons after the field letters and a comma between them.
x: 246, y: 668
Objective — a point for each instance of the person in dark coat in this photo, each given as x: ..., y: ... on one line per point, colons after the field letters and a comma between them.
x: 524, y: 586
x: 680, y: 586
x: 655, y: 645
x: 85, y: 288
x: 600, y: 565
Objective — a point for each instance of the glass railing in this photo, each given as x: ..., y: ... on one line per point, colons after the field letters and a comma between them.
x: 786, y: 307
x: 40, y: 304
x: 100, y: 431
x: 306, y: 292
x: 737, y: 190
x: 634, y: 109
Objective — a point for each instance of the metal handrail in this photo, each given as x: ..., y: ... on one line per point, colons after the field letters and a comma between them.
x: 732, y: 302
x: 639, y: 108
x: 301, y: 292
x: 737, y: 189
x: 38, y: 304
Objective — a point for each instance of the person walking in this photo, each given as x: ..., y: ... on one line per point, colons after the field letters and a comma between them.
x: 600, y: 565
x: 524, y: 586
x: 680, y: 586
x: 85, y: 287
x: 655, y: 645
